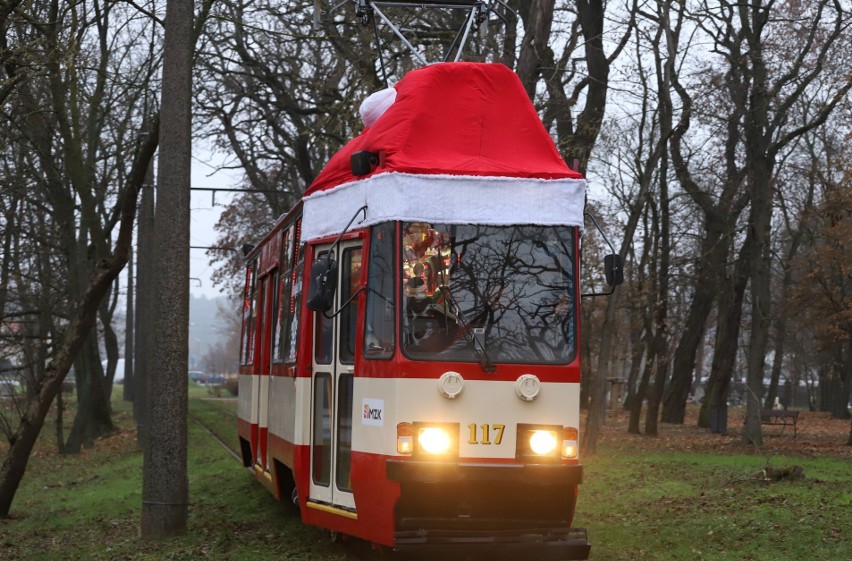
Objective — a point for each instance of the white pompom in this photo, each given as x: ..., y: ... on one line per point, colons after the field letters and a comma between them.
x: 376, y: 104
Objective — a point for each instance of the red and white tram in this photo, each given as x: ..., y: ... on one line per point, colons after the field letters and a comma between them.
x: 410, y: 368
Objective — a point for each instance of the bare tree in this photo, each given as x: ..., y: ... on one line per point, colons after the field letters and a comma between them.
x: 83, y: 166
x: 762, y: 76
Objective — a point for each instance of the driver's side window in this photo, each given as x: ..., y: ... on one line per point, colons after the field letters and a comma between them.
x: 379, y: 340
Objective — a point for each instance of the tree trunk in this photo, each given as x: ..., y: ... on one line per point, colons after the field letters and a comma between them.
x: 674, y: 404
x: 146, y: 300
x: 641, y: 392
x: 589, y: 121
x: 761, y: 316
x: 661, y: 365
x: 110, y: 341
x: 93, y: 418
x: 129, y: 334
x: 537, y: 23
x: 594, y: 419
x: 586, y: 371
x: 637, y: 352
x: 725, y: 350
x: 777, y: 363
x: 59, y: 424
x: 840, y: 385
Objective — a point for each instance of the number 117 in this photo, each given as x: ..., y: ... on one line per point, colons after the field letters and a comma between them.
x: 485, y: 432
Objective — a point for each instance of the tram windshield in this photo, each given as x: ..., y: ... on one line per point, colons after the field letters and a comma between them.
x: 488, y: 294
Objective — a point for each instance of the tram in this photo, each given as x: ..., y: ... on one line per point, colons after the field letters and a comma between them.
x: 410, y: 351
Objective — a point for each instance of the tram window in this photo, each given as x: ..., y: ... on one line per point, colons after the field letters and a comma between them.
x: 500, y: 292
x: 379, y: 339
x: 282, y: 318
x: 350, y: 284
x: 290, y: 333
x: 342, y: 473
x: 276, y: 317
x: 323, y: 338
x: 321, y: 440
x: 247, y: 345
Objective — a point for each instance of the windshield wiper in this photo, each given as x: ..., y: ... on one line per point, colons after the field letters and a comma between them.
x: 475, y: 342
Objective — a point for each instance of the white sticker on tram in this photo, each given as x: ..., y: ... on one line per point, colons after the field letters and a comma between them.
x: 373, y: 412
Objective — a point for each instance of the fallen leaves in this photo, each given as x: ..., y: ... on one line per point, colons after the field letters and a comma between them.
x: 819, y: 435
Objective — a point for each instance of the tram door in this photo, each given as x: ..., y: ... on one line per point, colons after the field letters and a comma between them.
x: 333, y: 372
x: 261, y: 394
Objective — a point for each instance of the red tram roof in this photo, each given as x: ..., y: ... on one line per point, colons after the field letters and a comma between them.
x: 458, y: 134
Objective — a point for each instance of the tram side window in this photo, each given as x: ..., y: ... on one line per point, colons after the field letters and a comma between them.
x: 321, y: 440
x: 379, y: 339
x: 343, y: 469
x: 295, y: 256
x: 324, y: 336
x: 276, y: 317
x: 350, y: 284
x: 282, y: 296
x: 247, y: 346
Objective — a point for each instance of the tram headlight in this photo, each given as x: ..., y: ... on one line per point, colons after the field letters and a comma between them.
x: 538, y: 443
x: 542, y: 442
x: 434, y: 440
x: 428, y: 440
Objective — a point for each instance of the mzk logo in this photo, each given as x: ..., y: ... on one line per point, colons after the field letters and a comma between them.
x: 373, y: 412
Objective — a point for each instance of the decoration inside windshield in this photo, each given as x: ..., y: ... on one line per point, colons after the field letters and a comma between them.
x: 488, y: 293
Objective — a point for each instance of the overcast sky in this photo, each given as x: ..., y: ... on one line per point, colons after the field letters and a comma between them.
x: 203, y: 216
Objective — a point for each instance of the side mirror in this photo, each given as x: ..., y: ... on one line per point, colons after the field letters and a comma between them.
x: 612, y: 268
x: 323, y: 283
x: 612, y: 264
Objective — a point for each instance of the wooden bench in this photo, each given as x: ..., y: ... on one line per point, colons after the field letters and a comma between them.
x: 780, y: 417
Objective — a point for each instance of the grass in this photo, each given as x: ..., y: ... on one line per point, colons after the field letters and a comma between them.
x: 88, y: 507
x: 637, y: 503
x: 703, y: 506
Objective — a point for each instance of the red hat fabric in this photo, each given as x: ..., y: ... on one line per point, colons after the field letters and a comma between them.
x: 462, y: 143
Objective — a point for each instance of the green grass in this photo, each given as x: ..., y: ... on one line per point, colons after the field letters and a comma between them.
x: 636, y: 504
x: 704, y: 506
x: 88, y: 507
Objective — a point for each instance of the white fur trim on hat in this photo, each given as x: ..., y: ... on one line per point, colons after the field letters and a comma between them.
x: 450, y: 199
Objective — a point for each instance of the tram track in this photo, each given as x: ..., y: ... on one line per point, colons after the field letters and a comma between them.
x: 215, y: 437
x: 354, y: 548
x: 197, y: 419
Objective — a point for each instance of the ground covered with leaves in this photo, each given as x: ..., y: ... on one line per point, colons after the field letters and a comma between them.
x: 817, y: 435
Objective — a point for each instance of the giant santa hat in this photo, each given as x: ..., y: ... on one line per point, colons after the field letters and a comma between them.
x: 461, y: 143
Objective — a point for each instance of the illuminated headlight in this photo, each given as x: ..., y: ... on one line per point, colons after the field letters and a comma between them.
x: 434, y: 440
x: 427, y: 439
x: 538, y: 443
x: 542, y: 442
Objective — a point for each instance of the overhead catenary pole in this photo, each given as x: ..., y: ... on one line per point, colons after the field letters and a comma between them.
x: 165, y: 489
